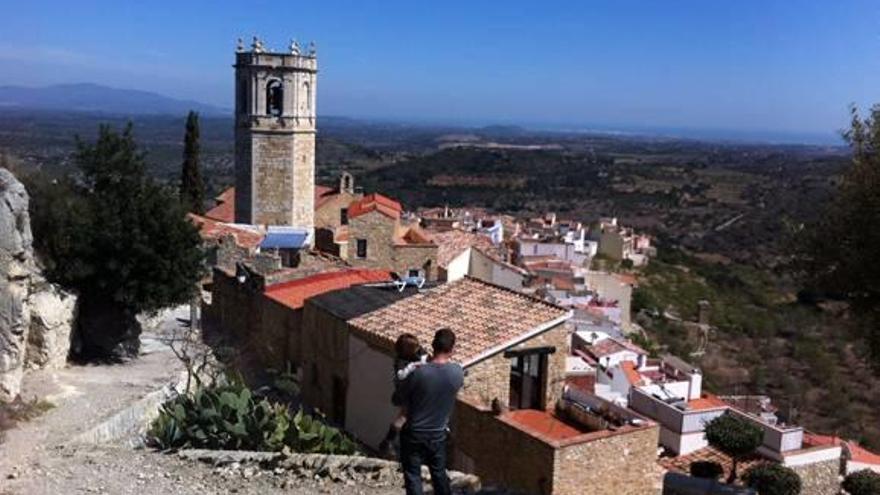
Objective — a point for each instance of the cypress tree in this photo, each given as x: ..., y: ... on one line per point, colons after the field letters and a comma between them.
x: 192, y: 189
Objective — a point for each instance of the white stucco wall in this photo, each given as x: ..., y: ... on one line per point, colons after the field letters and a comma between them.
x: 368, y: 410
x: 458, y: 267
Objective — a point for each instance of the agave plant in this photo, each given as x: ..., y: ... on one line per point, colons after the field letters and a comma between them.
x: 228, y: 417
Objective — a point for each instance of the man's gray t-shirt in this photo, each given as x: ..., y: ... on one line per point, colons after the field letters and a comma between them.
x: 428, y: 395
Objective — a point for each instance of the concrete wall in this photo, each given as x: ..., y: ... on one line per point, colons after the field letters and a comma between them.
x: 369, y: 411
x: 489, y: 270
x: 458, y: 267
x: 610, y: 287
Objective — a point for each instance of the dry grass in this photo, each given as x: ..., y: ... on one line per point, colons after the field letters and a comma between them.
x: 19, y: 410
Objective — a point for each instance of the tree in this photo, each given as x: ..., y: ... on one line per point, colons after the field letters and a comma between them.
x: 837, y: 254
x: 773, y: 479
x: 117, y: 238
x: 864, y: 482
x: 192, y: 188
x: 734, y: 435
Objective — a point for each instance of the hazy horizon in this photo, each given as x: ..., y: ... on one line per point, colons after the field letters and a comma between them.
x: 753, y: 68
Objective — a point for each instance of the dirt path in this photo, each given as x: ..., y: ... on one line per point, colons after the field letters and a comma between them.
x: 44, y: 456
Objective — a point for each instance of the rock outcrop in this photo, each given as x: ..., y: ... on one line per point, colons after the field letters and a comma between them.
x: 35, y: 316
x: 16, y: 267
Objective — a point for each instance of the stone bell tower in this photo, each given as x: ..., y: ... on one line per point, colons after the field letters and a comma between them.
x: 275, y: 136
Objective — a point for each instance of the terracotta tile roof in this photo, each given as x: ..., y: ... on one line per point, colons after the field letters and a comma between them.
x: 212, y: 230
x: 706, y: 401
x: 293, y: 294
x: 410, y: 235
x: 375, y: 202
x: 682, y: 463
x: 453, y: 242
x: 855, y: 451
x: 224, y: 211
x: 323, y: 194
x: 861, y: 454
x: 543, y: 423
x: 606, y: 347
x: 632, y: 376
x: 483, y: 316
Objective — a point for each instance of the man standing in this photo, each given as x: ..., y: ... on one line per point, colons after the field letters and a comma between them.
x: 428, y: 396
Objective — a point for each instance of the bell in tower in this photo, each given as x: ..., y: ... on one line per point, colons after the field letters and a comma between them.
x: 275, y: 136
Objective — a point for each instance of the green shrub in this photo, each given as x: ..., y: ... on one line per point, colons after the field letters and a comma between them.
x: 773, y: 479
x: 228, y: 417
x: 863, y: 482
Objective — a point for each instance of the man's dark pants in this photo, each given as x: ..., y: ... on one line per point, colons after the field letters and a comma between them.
x: 418, y: 448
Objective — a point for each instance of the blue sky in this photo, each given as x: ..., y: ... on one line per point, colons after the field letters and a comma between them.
x: 764, y: 65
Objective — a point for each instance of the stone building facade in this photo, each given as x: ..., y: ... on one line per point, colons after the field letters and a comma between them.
x: 275, y: 137
x: 378, y: 240
x: 489, y: 380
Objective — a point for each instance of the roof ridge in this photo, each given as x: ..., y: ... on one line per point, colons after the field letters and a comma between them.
x: 514, y: 292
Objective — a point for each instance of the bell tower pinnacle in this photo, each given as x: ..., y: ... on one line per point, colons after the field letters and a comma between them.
x: 275, y: 135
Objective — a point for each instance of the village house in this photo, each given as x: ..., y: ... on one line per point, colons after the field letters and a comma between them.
x: 620, y: 243
x: 461, y: 254
x: 514, y: 350
x: 373, y: 233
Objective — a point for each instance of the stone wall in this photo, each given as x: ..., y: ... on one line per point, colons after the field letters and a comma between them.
x: 498, y: 453
x: 328, y: 214
x: 490, y: 379
x: 324, y: 350
x: 820, y: 478
x: 617, y: 464
x: 382, y: 253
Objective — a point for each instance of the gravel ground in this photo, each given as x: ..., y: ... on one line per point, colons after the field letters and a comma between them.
x: 42, y: 457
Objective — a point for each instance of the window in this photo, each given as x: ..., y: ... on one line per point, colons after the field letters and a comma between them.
x: 415, y: 272
x: 274, y: 98
x: 343, y: 216
x: 528, y: 374
x: 361, y: 248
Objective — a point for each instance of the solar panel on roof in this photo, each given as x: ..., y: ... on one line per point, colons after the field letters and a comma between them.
x: 284, y: 238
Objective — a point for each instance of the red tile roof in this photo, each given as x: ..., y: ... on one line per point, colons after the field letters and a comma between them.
x: 682, y: 463
x: 225, y: 209
x: 706, y: 401
x: 856, y: 452
x: 485, y: 318
x: 293, y: 294
x: 861, y: 454
x: 412, y: 235
x: 375, y: 202
x: 632, y: 376
x: 543, y: 423
x: 453, y: 242
x: 606, y: 347
x: 212, y: 230
x: 323, y: 194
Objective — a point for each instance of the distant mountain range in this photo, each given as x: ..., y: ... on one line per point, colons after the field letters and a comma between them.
x: 87, y: 97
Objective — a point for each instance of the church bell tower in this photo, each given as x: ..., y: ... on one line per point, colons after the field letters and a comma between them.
x: 275, y: 136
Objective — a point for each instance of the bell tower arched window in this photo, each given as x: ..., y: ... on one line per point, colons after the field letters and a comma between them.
x: 274, y: 98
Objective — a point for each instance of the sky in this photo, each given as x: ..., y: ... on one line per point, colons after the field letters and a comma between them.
x: 780, y: 67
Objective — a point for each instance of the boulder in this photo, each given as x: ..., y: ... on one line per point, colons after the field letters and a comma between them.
x: 53, y: 314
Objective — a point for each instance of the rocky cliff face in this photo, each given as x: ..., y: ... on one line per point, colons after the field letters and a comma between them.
x: 35, y: 316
